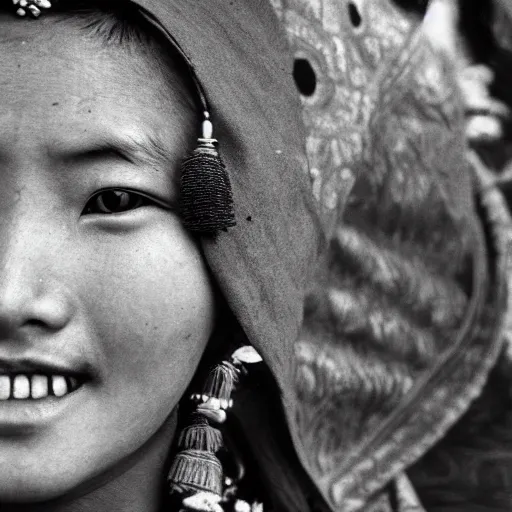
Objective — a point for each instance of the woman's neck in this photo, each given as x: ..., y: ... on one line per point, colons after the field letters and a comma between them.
x: 137, y: 484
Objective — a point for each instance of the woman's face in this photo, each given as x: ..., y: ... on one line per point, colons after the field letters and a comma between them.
x: 119, y: 304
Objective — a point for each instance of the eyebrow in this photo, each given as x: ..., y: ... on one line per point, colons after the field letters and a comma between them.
x: 135, y: 150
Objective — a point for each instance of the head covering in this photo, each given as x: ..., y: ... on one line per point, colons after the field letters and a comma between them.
x: 403, y: 324
x: 241, y: 58
x: 359, y: 408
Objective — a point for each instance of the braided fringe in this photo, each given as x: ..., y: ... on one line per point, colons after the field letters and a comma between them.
x: 200, y: 436
x: 196, y: 471
x: 196, y: 476
x: 221, y: 381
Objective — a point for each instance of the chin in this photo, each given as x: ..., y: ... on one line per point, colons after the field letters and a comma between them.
x: 33, y: 481
x: 32, y: 487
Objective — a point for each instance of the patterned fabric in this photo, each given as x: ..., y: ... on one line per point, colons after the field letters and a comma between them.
x: 344, y: 60
x: 402, y: 328
x: 406, y: 498
x: 471, y: 468
x: 402, y: 322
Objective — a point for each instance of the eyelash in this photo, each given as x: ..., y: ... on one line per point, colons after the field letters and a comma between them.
x: 115, y: 201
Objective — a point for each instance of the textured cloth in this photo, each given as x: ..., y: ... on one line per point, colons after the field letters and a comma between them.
x: 471, y: 468
x: 404, y: 324
x: 262, y: 266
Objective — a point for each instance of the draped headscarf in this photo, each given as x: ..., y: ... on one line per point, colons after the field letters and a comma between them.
x: 403, y: 324
x: 240, y: 56
x: 380, y: 370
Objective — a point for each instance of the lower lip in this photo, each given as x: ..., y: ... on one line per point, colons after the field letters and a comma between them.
x: 21, y: 417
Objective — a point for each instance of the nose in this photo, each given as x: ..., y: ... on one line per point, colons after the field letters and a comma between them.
x: 31, y: 296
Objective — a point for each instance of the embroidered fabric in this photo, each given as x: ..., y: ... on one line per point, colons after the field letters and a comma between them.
x: 402, y: 327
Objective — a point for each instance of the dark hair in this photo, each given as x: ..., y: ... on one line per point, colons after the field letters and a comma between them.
x: 116, y: 22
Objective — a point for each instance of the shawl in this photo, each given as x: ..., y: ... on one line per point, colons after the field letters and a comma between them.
x: 240, y: 56
x: 404, y: 322
x: 402, y: 318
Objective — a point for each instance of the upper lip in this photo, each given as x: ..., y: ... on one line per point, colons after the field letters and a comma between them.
x: 42, y: 366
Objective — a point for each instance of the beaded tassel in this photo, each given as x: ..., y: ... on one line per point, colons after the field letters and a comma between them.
x: 196, y: 467
x: 200, y: 436
x: 196, y: 472
x: 206, y: 198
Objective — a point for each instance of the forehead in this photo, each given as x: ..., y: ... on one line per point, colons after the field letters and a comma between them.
x: 57, y: 77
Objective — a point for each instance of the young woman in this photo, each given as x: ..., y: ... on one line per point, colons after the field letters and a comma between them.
x: 107, y: 300
x: 133, y: 311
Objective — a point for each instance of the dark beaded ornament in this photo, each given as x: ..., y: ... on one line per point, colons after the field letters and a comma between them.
x: 206, y: 197
x: 196, y: 475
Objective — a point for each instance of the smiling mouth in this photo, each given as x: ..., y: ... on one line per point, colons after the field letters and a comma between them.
x: 37, y: 387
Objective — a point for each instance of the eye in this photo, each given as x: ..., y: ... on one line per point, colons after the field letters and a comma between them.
x: 114, y: 201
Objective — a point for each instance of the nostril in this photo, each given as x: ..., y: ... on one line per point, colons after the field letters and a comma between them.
x: 25, y: 311
x: 52, y: 310
x: 11, y: 325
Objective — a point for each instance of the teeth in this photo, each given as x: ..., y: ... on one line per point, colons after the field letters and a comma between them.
x: 39, y: 386
x: 36, y: 387
x: 5, y: 387
x: 59, y: 385
x: 21, y: 388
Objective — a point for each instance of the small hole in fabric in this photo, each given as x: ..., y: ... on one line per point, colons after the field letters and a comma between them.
x: 418, y: 6
x: 304, y: 77
x: 354, y: 15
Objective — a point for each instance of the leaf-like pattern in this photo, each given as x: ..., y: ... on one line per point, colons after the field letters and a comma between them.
x: 400, y: 331
x: 345, y: 60
x: 471, y: 468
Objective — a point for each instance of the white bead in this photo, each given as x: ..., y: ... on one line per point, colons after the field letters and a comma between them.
x: 34, y: 10
x: 247, y: 355
x: 242, y: 506
x: 203, y: 502
x: 216, y: 416
x: 207, y: 129
x: 214, y: 403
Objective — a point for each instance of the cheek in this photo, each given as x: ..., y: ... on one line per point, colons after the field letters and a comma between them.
x: 151, y: 311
